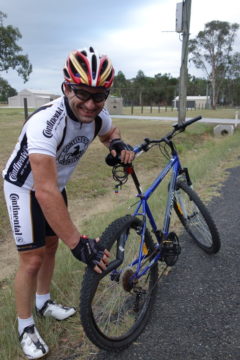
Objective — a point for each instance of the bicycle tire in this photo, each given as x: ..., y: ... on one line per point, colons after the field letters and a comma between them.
x: 198, y: 221
x: 107, y: 311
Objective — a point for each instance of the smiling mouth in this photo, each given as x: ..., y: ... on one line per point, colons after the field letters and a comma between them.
x: 87, y: 112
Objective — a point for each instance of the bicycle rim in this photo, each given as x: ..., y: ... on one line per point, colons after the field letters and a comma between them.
x: 197, y: 220
x: 120, y: 305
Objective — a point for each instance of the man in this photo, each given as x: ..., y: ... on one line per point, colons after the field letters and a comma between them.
x: 49, y: 147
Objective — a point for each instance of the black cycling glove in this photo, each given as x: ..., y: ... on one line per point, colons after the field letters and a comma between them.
x: 88, y: 251
x: 118, y: 145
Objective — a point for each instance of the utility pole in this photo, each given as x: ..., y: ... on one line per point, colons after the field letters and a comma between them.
x: 186, y: 13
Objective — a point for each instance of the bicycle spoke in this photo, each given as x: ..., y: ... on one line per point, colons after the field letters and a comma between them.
x: 115, y: 309
x: 198, y: 226
x: 196, y: 219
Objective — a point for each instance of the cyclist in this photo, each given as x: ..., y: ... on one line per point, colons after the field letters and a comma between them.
x: 51, y: 143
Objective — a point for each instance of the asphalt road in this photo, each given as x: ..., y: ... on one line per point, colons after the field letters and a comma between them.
x: 197, y: 312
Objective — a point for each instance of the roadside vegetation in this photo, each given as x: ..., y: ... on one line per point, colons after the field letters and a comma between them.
x: 93, y: 204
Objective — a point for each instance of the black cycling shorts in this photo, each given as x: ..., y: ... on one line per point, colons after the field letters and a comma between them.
x: 28, y: 223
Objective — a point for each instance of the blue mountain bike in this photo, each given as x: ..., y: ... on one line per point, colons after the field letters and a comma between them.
x: 115, y: 306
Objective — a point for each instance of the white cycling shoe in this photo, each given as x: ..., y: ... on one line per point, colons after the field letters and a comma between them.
x: 57, y: 311
x: 32, y: 344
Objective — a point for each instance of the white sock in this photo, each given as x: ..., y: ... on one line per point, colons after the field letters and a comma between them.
x: 22, y: 323
x: 41, y: 299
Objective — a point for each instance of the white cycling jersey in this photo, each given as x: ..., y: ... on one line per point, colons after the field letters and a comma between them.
x: 53, y: 130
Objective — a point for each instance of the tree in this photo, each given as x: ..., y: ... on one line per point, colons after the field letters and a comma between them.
x: 11, y: 56
x: 166, y: 87
x: 197, y: 86
x: 120, y: 84
x: 212, y: 50
x: 145, y: 90
x: 122, y: 87
x: 141, y: 83
x: 6, y: 90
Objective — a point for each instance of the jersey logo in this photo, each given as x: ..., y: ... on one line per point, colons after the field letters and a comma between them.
x: 48, y: 131
x: 15, y: 217
x: 73, y: 150
x: 20, y: 168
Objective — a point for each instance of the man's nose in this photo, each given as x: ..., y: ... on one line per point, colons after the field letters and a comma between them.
x: 90, y: 104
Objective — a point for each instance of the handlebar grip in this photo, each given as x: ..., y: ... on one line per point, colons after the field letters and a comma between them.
x: 187, y: 123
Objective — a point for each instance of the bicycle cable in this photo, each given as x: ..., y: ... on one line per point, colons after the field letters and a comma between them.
x: 119, y: 175
x: 164, y: 150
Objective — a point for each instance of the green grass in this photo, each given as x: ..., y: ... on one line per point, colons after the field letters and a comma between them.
x: 94, y: 205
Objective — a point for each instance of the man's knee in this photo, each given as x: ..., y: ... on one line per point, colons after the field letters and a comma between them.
x: 31, y: 261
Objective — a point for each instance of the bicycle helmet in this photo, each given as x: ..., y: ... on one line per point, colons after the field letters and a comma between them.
x: 85, y: 66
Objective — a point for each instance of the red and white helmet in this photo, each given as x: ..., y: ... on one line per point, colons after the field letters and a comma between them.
x: 85, y: 66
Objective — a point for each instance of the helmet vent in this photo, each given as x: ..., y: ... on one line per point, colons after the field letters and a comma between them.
x: 72, y: 68
x: 94, y: 66
x: 109, y: 76
x: 66, y: 74
x: 104, y: 66
x: 82, y: 63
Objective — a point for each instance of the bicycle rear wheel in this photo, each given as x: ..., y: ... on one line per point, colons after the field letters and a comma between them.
x: 113, y: 309
x: 196, y: 219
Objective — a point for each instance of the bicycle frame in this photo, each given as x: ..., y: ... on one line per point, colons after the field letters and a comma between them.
x: 143, y: 209
x: 173, y: 164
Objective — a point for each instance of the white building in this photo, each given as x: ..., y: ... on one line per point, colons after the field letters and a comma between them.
x: 35, y: 98
x: 197, y: 102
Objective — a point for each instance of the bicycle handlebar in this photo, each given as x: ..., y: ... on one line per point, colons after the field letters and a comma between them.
x: 166, y: 138
x: 111, y: 161
x: 186, y: 123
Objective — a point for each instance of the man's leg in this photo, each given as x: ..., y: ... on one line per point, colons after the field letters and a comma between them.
x: 26, y: 280
x: 46, y: 271
x: 30, y: 262
x: 45, y: 306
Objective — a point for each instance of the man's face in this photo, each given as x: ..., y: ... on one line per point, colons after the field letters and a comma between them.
x: 84, y: 107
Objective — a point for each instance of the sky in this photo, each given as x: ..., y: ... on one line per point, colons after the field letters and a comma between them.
x: 135, y: 34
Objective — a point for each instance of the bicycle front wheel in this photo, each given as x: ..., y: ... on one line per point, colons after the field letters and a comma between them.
x: 114, y: 309
x: 196, y: 219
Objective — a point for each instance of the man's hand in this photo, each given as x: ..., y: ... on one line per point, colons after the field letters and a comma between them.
x: 92, y: 253
x: 119, y: 148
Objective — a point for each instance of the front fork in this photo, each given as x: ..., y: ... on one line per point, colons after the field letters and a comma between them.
x: 183, y: 176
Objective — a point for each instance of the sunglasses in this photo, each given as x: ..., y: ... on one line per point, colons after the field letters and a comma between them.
x: 84, y: 95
